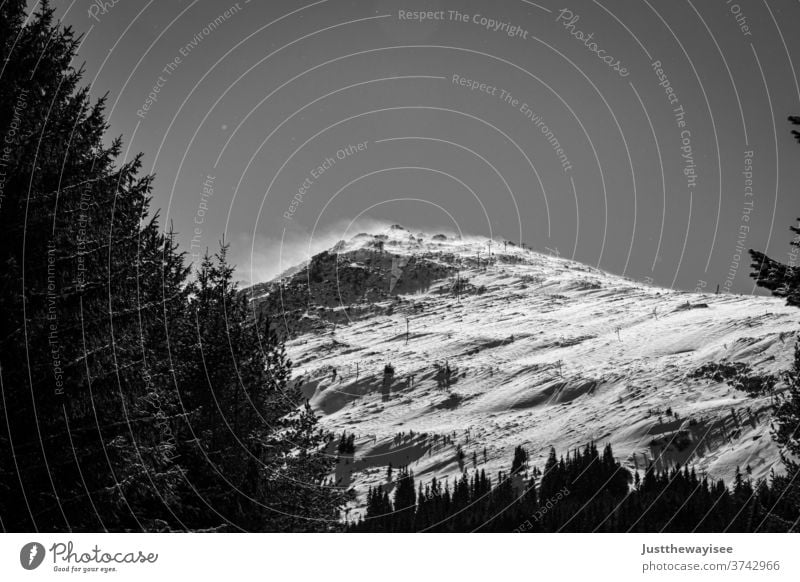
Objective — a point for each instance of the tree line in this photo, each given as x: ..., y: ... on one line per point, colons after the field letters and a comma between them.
x: 584, y: 491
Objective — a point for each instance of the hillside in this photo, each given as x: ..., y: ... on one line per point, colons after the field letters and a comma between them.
x: 541, y: 351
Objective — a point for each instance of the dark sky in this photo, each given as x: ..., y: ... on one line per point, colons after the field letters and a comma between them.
x: 572, y: 142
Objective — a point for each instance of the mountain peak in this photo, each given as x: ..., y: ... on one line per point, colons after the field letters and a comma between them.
x: 542, y: 350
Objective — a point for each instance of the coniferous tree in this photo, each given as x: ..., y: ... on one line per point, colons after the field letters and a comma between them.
x: 135, y: 397
x: 784, y: 281
x: 405, y: 500
x: 520, y: 460
x: 82, y: 262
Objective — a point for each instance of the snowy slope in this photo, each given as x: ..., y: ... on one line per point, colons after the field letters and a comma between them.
x: 543, y: 352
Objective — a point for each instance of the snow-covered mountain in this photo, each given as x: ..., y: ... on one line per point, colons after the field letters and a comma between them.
x: 541, y: 351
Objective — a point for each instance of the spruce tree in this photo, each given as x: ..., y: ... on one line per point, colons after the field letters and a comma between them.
x: 135, y: 397
x: 83, y: 261
x: 784, y: 281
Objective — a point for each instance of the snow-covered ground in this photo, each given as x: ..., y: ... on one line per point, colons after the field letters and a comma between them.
x: 543, y: 352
